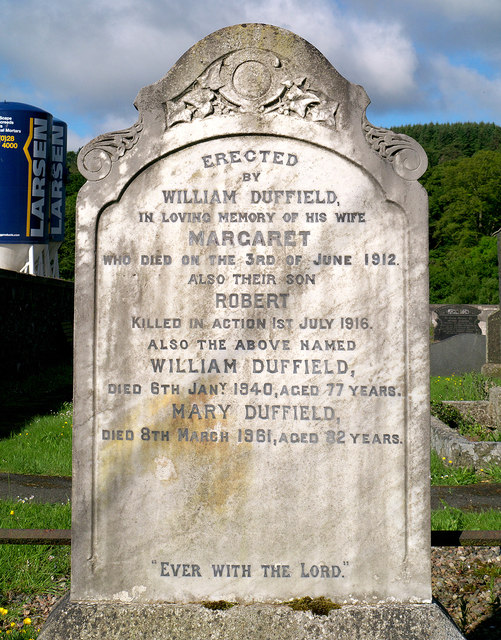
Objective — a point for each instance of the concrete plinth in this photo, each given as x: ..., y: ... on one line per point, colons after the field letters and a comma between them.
x: 75, y: 621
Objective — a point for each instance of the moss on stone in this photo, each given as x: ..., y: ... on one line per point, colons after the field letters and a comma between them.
x: 319, y: 606
x: 218, y: 605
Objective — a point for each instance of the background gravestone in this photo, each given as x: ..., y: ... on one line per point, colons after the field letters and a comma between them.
x: 493, y: 352
x: 493, y: 338
x: 457, y: 355
x: 248, y: 425
x: 454, y: 319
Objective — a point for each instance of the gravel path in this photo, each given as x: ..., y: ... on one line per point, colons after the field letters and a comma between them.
x: 467, y: 582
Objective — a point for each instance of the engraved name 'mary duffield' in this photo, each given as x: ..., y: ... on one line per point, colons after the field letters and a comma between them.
x: 250, y: 419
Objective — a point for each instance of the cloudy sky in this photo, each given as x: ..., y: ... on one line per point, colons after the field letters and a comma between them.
x: 85, y: 60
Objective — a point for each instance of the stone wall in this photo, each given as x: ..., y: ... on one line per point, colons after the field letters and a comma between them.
x: 36, y: 323
x: 462, y: 452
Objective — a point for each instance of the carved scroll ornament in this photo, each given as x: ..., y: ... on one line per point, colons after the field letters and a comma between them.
x: 97, y: 157
x: 407, y: 156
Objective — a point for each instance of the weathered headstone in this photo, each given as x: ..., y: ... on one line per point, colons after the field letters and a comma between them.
x: 249, y: 427
x: 493, y: 351
x: 498, y: 238
x: 453, y: 319
x: 493, y: 338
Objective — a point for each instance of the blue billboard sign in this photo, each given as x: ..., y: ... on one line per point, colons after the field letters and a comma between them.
x: 25, y: 158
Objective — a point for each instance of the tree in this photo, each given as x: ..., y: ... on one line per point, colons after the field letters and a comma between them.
x: 465, y: 275
x: 465, y: 199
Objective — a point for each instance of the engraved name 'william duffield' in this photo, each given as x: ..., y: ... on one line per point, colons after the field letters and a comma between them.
x: 277, y: 366
x: 265, y: 196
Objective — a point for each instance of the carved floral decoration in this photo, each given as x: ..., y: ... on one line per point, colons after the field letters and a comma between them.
x: 250, y: 81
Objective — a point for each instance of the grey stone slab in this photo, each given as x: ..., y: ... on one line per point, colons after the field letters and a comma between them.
x: 494, y: 408
x: 73, y: 621
x: 492, y: 370
x: 471, y: 497
x: 458, y: 354
x: 494, y: 338
x: 248, y: 424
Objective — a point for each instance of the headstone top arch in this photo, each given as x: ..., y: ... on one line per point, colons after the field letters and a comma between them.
x: 260, y: 71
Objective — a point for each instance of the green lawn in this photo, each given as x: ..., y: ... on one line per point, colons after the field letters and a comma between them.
x: 468, y: 386
x: 42, y: 447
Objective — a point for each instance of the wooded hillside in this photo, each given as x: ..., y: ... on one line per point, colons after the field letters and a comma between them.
x: 464, y: 186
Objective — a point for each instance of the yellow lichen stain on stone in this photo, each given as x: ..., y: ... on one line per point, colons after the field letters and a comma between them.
x: 209, y: 474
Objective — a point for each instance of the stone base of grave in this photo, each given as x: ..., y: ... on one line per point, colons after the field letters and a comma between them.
x: 78, y: 621
x: 491, y: 369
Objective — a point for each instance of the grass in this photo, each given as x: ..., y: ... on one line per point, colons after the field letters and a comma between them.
x: 467, y: 387
x: 30, y: 570
x: 452, y: 519
x: 444, y: 473
x: 42, y: 447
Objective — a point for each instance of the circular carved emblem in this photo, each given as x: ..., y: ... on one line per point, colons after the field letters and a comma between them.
x: 251, y: 78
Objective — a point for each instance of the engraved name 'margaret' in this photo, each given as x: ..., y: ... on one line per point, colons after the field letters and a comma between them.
x: 245, y: 238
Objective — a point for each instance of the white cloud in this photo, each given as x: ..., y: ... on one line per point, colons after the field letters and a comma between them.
x: 466, y: 90
x: 96, y: 46
x: 76, y: 141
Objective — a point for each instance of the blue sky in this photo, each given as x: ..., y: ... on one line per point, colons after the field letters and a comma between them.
x: 84, y: 61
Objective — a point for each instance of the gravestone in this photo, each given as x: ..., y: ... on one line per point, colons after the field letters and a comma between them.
x: 498, y: 238
x: 458, y: 355
x: 493, y: 337
x: 453, y: 319
x: 249, y: 427
x: 493, y: 352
